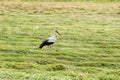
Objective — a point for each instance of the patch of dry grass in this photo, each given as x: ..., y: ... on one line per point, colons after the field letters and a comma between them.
x: 60, y: 5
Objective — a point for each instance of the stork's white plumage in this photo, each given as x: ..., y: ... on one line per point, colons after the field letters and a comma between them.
x: 49, y: 41
x: 52, y: 38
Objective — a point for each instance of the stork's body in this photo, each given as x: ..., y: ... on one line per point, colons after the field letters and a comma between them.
x: 49, y: 41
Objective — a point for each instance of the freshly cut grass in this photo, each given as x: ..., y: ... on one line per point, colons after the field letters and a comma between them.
x: 88, y: 48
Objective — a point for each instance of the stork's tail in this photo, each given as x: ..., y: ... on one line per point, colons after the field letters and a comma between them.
x: 41, y: 45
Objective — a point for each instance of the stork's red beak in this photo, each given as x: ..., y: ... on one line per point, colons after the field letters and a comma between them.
x: 58, y: 33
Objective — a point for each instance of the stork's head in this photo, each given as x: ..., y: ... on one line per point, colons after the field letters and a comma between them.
x: 56, y: 31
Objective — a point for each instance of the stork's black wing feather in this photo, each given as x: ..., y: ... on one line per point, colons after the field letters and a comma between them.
x: 43, y: 43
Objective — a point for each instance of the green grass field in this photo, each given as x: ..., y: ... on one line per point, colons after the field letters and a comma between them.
x: 89, y: 48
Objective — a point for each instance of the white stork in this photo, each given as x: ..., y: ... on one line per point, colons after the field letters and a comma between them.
x: 49, y: 41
